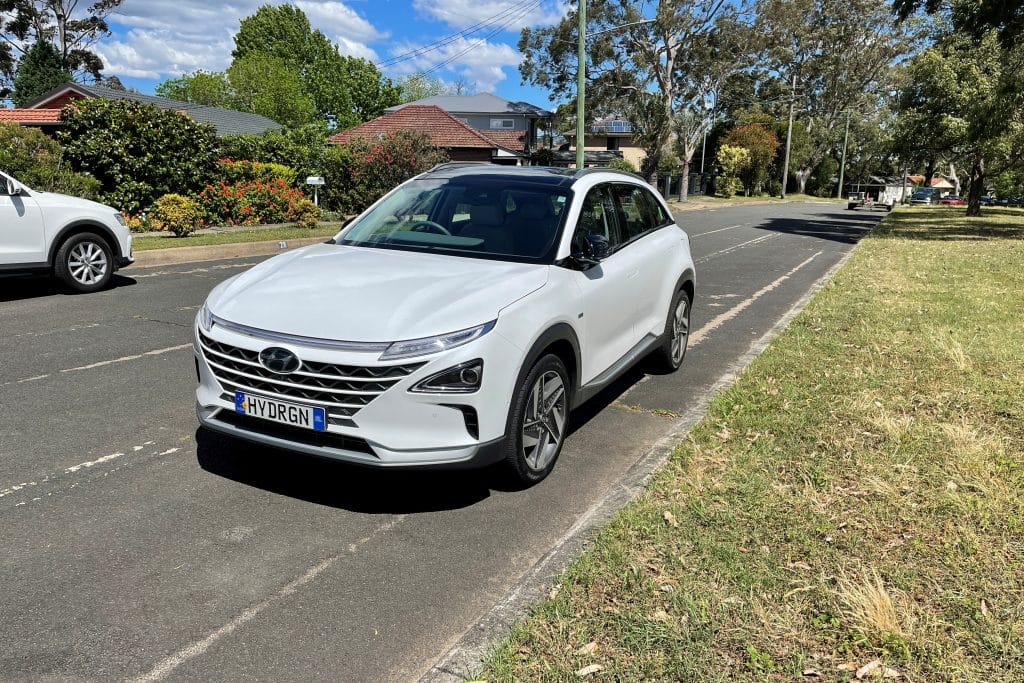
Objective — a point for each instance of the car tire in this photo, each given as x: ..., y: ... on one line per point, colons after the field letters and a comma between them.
x: 84, y: 263
x: 538, y: 422
x: 670, y: 353
x: 850, y: 207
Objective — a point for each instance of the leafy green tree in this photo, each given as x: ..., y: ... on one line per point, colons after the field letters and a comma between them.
x: 38, y: 161
x: 136, y: 151
x: 263, y: 84
x: 658, y: 66
x: 732, y: 161
x: 39, y: 71
x: 762, y: 144
x: 344, y: 90
x: 419, y: 87
x: 72, y: 31
x: 211, y: 88
x: 301, y: 148
x: 976, y: 17
x: 842, y: 55
x: 966, y: 96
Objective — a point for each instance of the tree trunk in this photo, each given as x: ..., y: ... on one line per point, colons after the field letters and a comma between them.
x: 801, y: 179
x: 684, y: 182
x: 929, y: 172
x: 977, y: 184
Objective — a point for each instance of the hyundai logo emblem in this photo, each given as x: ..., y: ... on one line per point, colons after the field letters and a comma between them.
x: 280, y: 361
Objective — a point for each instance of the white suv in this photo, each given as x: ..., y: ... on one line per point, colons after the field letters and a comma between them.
x: 456, y: 322
x: 79, y: 241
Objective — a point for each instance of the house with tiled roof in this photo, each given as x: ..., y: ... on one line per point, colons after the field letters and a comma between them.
x: 515, y: 125
x: 461, y: 141
x: 44, y: 111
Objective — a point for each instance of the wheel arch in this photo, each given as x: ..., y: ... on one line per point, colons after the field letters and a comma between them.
x: 81, y: 226
x: 561, y: 340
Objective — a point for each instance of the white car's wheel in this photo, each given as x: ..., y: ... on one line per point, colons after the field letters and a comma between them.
x: 677, y: 333
x: 84, y: 263
x: 539, y: 420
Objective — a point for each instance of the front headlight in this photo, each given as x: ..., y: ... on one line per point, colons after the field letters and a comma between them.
x: 464, y: 378
x: 120, y: 219
x: 205, y: 318
x: 442, y: 342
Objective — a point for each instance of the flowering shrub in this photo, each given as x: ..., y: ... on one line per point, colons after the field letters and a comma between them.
x: 138, y: 223
x: 176, y: 213
x: 248, y: 203
x: 303, y: 213
x: 246, y: 171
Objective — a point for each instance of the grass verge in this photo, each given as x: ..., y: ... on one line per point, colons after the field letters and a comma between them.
x: 852, y: 508
x: 145, y: 242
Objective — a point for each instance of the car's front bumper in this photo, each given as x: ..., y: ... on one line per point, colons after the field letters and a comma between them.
x: 396, y: 428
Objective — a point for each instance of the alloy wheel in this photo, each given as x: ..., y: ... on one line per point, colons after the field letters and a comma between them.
x: 680, y: 329
x: 87, y: 263
x: 544, y: 421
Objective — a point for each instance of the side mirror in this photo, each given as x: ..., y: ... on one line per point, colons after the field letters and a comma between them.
x: 592, y: 249
x: 12, y: 188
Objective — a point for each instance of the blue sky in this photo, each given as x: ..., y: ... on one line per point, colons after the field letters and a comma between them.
x: 158, y: 39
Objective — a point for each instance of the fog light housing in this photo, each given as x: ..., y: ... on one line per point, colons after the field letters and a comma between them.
x: 464, y: 378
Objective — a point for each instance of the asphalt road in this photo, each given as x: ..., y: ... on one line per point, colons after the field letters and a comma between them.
x: 136, y: 548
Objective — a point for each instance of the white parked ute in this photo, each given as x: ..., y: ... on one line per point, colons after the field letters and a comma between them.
x: 456, y: 322
x: 79, y: 241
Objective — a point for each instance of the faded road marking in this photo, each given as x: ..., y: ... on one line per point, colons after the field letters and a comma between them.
x: 14, y: 488
x: 734, y: 247
x: 193, y: 271
x: 712, y: 232
x: 102, y: 363
x: 198, y: 647
x: 722, y: 318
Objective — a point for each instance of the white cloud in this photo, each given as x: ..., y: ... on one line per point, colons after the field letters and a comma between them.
x: 510, y: 15
x: 477, y: 61
x: 171, y: 38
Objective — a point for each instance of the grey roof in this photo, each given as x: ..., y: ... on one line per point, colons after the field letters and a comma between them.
x: 483, y: 103
x: 226, y: 121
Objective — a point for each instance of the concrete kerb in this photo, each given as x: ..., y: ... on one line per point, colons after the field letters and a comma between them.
x: 216, y: 252
x: 463, y: 657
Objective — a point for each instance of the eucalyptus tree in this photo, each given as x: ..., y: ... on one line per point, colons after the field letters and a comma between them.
x: 656, y: 64
x: 832, y: 57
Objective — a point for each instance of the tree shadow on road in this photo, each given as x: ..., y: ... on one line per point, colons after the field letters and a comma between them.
x: 22, y: 287
x: 847, y: 228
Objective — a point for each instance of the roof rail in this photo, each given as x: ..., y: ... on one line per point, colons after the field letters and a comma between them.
x: 458, y: 164
x: 602, y: 169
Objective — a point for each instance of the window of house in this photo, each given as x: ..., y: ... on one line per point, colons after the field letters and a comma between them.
x: 503, y: 124
x: 613, y: 144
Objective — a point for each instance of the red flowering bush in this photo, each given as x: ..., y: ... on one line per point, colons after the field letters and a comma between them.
x: 249, y: 203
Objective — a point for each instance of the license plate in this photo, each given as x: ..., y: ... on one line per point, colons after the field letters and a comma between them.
x: 280, y: 411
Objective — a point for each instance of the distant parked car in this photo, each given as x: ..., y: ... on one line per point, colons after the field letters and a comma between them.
x: 1016, y: 201
x: 925, y: 195
x: 856, y: 200
x: 952, y: 200
x: 80, y: 242
x: 987, y: 200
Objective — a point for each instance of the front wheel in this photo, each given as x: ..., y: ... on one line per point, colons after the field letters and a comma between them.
x: 84, y: 263
x: 677, y: 333
x: 537, y: 428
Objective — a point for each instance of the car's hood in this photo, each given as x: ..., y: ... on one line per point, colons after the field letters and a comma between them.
x: 372, y: 295
x: 53, y: 199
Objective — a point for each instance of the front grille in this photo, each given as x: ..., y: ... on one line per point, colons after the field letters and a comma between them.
x: 342, y: 390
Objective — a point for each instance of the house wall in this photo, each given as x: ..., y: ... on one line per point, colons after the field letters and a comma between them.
x: 60, y: 102
x: 631, y: 152
x: 483, y: 121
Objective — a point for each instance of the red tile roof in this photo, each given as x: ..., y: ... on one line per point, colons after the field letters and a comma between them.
x: 30, y: 115
x: 443, y: 129
x: 513, y: 140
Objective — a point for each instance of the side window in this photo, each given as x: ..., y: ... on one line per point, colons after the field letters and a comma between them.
x: 638, y: 211
x: 597, y: 217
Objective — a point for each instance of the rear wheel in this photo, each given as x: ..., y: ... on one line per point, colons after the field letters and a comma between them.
x: 84, y: 263
x: 677, y: 333
x: 537, y: 428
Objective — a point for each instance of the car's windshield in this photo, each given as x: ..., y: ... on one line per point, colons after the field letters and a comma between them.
x: 485, y: 217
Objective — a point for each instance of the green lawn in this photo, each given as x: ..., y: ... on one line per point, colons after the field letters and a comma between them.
x: 147, y: 241
x: 854, y: 502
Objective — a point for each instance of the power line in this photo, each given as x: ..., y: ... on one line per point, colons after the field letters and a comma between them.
x: 444, y: 41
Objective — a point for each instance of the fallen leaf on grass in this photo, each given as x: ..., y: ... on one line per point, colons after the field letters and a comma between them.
x: 553, y: 593
x: 666, y: 588
x: 670, y: 519
x: 587, y: 670
x: 811, y: 672
x: 848, y: 666
x: 725, y: 434
x: 588, y: 648
x: 891, y: 673
x: 660, y: 615
x: 868, y: 669
x: 984, y: 608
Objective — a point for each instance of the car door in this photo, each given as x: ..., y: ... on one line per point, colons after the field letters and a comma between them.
x: 653, y: 250
x: 21, y: 227
x: 609, y: 290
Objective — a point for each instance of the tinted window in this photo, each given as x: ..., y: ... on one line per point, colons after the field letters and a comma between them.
x: 638, y: 211
x: 487, y: 217
x: 597, y: 217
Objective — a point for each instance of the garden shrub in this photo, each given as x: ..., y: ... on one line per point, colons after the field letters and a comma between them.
x: 362, y: 171
x: 38, y: 161
x: 299, y: 148
x: 248, y: 203
x: 246, y: 171
x: 621, y: 165
x: 137, y: 152
x: 175, y: 213
x: 304, y: 213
